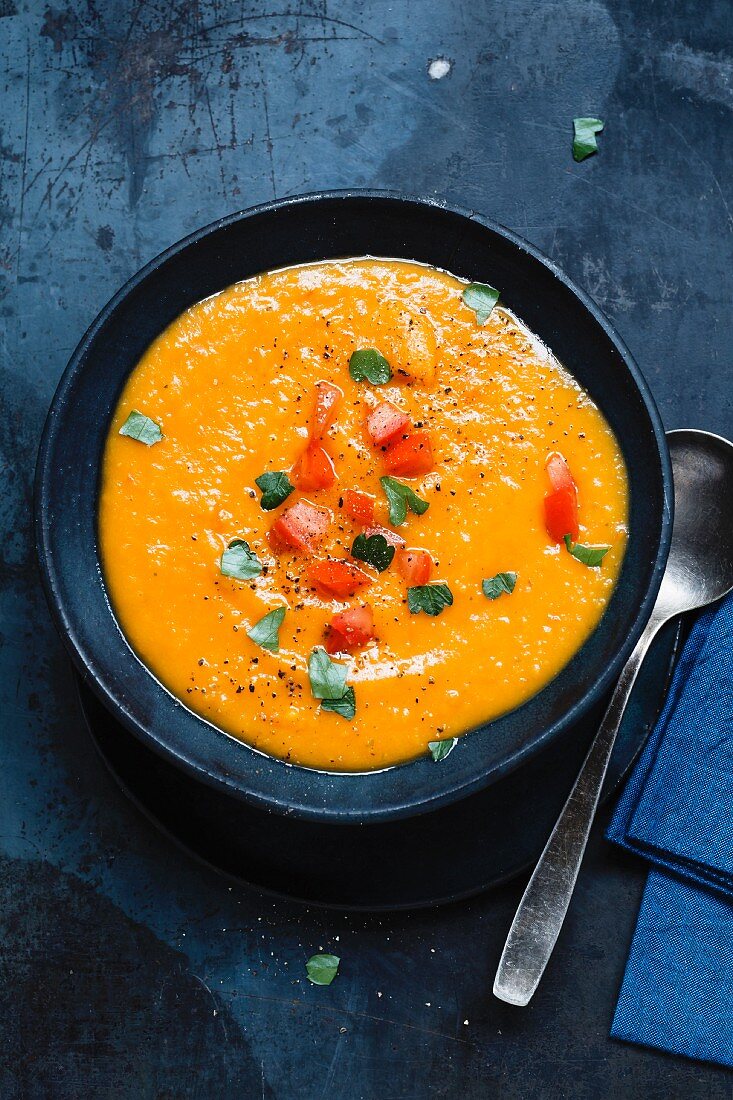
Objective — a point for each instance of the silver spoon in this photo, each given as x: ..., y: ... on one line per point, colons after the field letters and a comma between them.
x: 699, y: 571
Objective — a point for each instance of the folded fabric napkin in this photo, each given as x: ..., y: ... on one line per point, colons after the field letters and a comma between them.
x: 677, y: 812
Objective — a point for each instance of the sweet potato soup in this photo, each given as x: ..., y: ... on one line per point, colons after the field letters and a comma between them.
x: 353, y: 509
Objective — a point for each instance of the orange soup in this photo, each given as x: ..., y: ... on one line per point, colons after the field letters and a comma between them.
x: 354, y: 509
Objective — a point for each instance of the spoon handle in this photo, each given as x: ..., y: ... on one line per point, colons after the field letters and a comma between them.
x: 545, y: 902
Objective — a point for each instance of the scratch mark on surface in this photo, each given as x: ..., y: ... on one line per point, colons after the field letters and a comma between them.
x: 456, y: 121
x: 215, y: 1003
x: 588, y: 182
x: 268, y: 134
x: 223, y: 24
x: 710, y: 169
x: 21, y: 212
x: 328, y: 1011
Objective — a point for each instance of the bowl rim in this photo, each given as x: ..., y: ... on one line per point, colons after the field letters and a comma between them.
x: 85, y: 660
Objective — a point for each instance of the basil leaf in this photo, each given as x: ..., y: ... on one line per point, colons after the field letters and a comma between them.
x: 481, y: 298
x: 589, y: 555
x: 239, y: 561
x: 584, y: 139
x: 374, y: 550
x: 328, y: 679
x: 399, y: 498
x: 345, y: 706
x: 265, y: 632
x: 275, y: 487
x: 440, y: 749
x: 369, y: 364
x: 498, y: 585
x: 322, y: 969
x: 141, y: 427
x: 430, y: 598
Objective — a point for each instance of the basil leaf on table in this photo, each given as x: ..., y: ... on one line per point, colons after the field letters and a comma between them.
x: 322, y: 969
x: 370, y: 365
x: 496, y: 586
x: 400, y: 497
x: 430, y: 598
x: 142, y: 428
x: 374, y: 550
x: 275, y: 487
x: 266, y: 631
x: 584, y: 139
x: 239, y: 561
x: 588, y: 555
x: 481, y: 298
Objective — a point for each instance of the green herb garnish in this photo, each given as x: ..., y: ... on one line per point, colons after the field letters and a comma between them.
x: 584, y: 139
x: 239, y: 561
x: 322, y: 969
x: 481, y: 298
x: 401, y: 497
x: 440, y: 749
x: 498, y: 585
x: 275, y: 488
x: 345, y: 706
x: 430, y: 598
x: 374, y: 550
x: 266, y: 632
x: 141, y: 427
x: 369, y: 364
x: 328, y: 683
x: 327, y: 677
x: 589, y: 555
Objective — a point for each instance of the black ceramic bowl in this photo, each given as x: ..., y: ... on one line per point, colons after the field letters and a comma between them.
x: 295, y: 231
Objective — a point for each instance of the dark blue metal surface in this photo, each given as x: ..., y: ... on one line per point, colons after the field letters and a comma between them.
x: 129, y: 972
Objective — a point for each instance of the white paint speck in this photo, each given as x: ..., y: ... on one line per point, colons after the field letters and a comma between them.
x: 439, y: 67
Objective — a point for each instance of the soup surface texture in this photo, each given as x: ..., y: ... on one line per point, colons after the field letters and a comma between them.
x: 492, y: 427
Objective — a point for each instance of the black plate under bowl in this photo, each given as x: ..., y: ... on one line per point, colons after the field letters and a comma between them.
x: 451, y: 853
x: 294, y: 231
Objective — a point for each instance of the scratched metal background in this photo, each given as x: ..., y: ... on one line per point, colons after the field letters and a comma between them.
x: 126, y: 970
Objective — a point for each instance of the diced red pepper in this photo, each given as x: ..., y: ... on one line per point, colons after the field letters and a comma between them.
x: 337, y: 578
x: 359, y: 507
x: 328, y: 399
x: 300, y: 527
x: 410, y: 456
x: 349, y: 630
x: 559, y: 472
x: 314, y: 469
x: 561, y: 505
x: 414, y: 565
x: 385, y: 423
x: 392, y: 537
x: 561, y: 514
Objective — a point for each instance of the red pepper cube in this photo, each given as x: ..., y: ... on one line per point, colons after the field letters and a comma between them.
x: 385, y: 423
x: 328, y: 399
x: 359, y: 507
x: 411, y: 456
x: 350, y: 630
x: 415, y: 566
x: 338, y: 579
x: 300, y: 527
x: 313, y: 470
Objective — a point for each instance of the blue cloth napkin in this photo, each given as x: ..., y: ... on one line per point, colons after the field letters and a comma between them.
x: 677, y: 812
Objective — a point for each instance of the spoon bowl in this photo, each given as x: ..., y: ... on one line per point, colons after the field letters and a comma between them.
x: 700, y: 563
